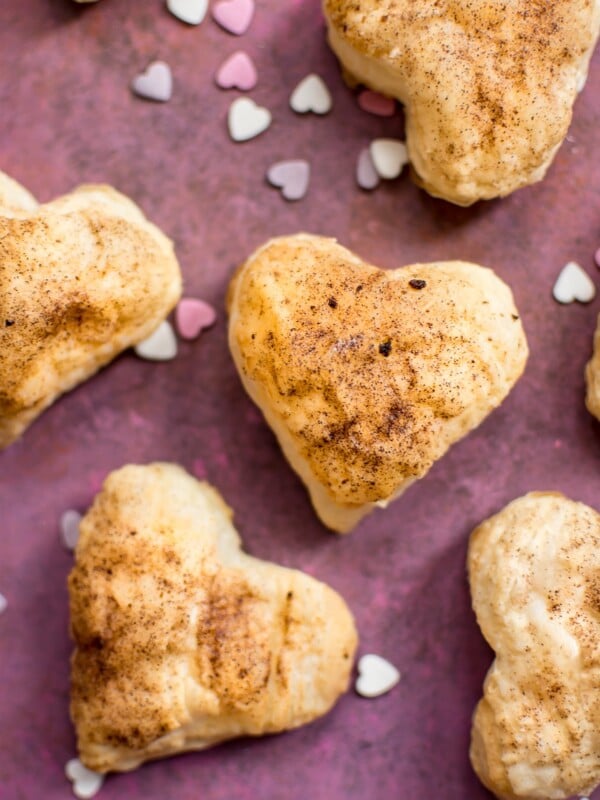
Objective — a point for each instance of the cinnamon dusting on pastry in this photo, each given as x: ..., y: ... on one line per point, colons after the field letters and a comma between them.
x: 182, y: 640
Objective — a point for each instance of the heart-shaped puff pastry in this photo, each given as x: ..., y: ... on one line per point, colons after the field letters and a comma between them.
x: 488, y: 85
x: 81, y: 279
x: 534, y: 570
x: 592, y: 377
x: 183, y: 640
x: 368, y: 376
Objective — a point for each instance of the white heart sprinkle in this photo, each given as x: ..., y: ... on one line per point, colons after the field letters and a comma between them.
x: 3, y: 603
x: 311, y: 94
x: 190, y: 11
x: 156, y: 83
x: 247, y: 120
x: 572, y: 284
x: 376, y: 676
x: 69, y: 528
x: 85, y: 782
x: 389, y: 157
x: 160, y: 345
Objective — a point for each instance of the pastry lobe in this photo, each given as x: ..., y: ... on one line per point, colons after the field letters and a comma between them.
x: 14, y: 198
x: 534, y: 571
x: 592, y: 377
x: 368, y: 376
x: 182, y: 640
x: 81, y: 279
x: 488, y: 86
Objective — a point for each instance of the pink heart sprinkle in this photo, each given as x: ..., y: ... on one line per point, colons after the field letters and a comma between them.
x: 193, y: 316
x: 234, y: 15
x: 366, y: 174
x: 237, y: 72
x: 378, y: 104
x: 597, y: 257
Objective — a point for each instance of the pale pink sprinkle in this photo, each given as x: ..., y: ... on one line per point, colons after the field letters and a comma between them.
x: 378, y: 104
x: 366, y: 174
x: 597, y: 257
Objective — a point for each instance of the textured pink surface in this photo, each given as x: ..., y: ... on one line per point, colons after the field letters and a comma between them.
x: 68, y: 117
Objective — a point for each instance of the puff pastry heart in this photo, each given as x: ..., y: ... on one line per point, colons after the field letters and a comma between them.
x: 367, y: 376
x: 81, y: 279
x: 534, y: 570
x: 182, y: 639
x: 488, y: 86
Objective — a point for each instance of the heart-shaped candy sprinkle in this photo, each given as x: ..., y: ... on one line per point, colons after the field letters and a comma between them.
x: 375, y: 103
x: 291, y: 177
x: 160, y: 345
x: 3, y: 603
x: 69, y: 528
x: 389, y: 157
x: 234, y: 16
x: 247, y: 120
x: 311, y: 94
x: 366, y: 174
x: 237, y: 72
x: 190, y: 11
x: 572, y: 284
x: 376, y: 676
x: 85, y: 782
x: 156, y: 83
x: 193, y: 316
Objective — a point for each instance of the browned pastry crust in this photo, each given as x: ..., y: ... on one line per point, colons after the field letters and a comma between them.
x: 81, y: 279
x: 365, y: 378
x: 182, y: 639
x: 592, y: 377
x: 534, y: 570
x: 488, y: 85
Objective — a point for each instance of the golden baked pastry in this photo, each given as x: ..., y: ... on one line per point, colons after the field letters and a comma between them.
x: 81, y: 279
x: 366, y: 376
x: 182, y: 640
x: 592, y: 377
x: 14, y: 198
x: 534, y: 570
x: 488, y: 86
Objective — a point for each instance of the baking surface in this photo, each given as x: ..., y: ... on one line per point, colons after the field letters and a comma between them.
x: 68, y: 117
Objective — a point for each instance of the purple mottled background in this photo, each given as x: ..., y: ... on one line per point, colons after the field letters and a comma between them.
x: 67, y: 117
